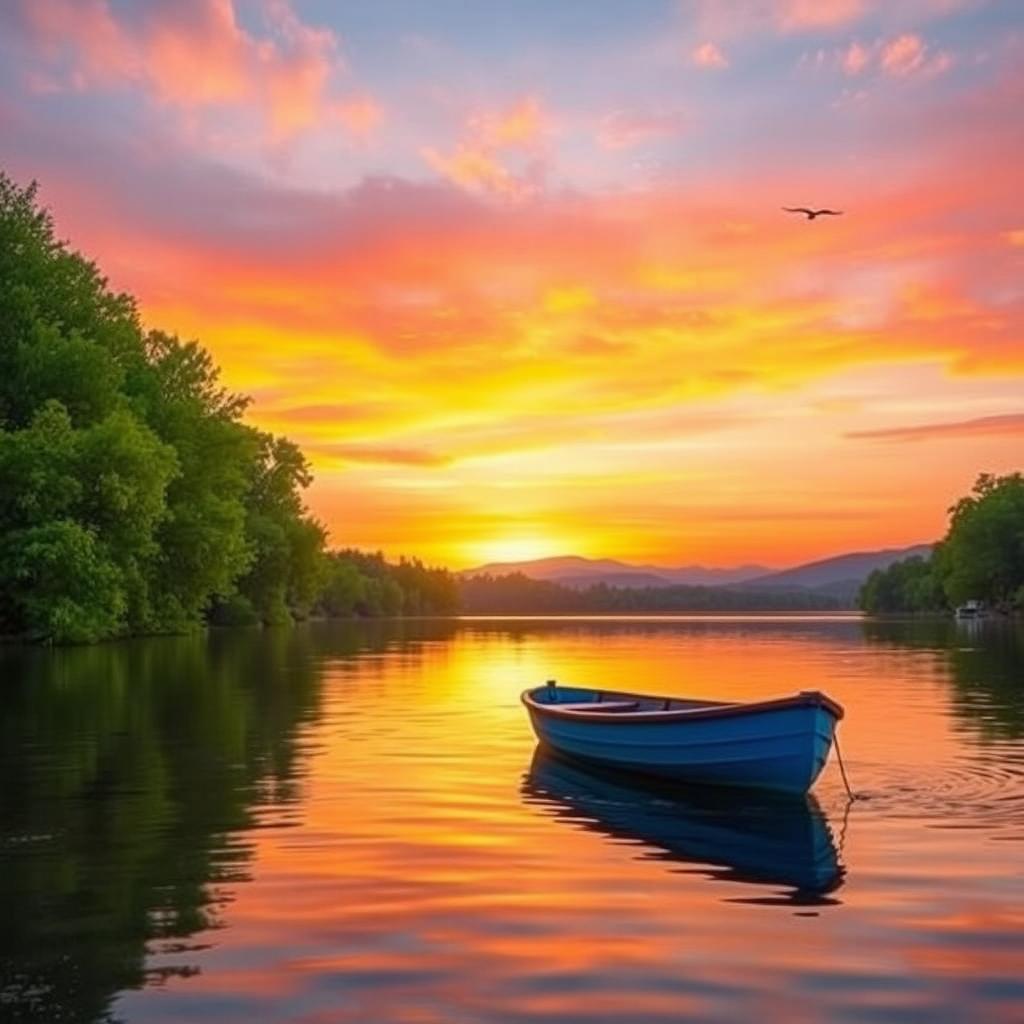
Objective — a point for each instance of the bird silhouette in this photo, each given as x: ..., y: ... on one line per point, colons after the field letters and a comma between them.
x: 811, y: 214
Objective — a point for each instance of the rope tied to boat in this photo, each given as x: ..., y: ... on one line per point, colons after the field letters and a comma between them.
x: 842, y: 770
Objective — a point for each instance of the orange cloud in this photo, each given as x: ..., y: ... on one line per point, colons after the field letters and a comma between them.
x: 524, y: 124
x: 475, y: 168
x: 480, y: 161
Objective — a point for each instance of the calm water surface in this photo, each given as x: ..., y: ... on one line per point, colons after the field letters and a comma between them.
x: 345, y: 823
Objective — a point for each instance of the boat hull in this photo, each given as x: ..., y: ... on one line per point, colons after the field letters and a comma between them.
x: 778, y: 745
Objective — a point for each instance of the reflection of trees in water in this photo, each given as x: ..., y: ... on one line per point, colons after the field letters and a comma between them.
x: 128, y: 777
x: 986, y: 663
x: 720, y: 627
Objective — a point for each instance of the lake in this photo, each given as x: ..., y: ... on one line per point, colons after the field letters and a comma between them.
x: 349, y: 822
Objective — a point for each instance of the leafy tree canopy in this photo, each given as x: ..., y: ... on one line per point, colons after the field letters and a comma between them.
x: 132, y: 495
x: 981, y: 557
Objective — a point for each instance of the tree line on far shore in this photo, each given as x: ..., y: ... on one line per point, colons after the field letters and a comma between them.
x: 516, y: 594
x: 981, y: 558
x: 133, y: 497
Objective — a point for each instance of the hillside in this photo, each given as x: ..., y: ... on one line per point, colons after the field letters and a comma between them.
x: 574, y: 571
x: 840, y: 573
x: 838, y: 577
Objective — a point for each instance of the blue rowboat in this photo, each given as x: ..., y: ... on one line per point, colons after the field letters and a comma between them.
x: 735, y: 835
x: 779, y: 744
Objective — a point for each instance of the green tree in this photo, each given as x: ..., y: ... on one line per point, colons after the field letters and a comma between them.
x: 286, y: 570
x: 79, y: 509
x: 909, y: 585
x: 122, y: 452
x: 984, y: 549
x: 202, y: 539
x: 344, y: 589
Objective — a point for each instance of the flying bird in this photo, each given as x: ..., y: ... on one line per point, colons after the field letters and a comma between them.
x: 811, y: 214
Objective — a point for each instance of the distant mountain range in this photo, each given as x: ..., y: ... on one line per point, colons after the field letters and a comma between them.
x: 573, y: 571
x: 839, y: 577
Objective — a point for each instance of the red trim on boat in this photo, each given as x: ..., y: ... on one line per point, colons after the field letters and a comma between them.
x: 575, y: 712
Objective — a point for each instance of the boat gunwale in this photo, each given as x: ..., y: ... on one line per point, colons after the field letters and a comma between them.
x: 805, y: 698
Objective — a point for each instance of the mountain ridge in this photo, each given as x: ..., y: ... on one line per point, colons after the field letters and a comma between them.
x: 840, y: 574
x: 575, y: 570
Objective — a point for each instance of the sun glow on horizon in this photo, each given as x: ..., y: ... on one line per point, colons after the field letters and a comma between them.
x: 515, y: 549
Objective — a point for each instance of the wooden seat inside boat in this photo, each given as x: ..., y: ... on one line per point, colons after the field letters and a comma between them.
x: 600, y: 705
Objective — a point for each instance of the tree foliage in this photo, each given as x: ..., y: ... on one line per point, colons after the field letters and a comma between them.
x: 362, y: 584
x: 517, y: 594
x: 984, y: 549
x: 981, y: 557
x: 133, y: 498
x: 910, y: 585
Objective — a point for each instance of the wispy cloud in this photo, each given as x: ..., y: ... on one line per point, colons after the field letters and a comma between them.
x: 381, y: 454
x: 1010, y: 425
x: 905, y: 56
x: 500, y: 152
x: 733, y: 18
x: 625, y: 129
x: 798, y: 15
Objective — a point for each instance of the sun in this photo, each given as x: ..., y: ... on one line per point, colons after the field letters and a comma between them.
x: 515, y: 549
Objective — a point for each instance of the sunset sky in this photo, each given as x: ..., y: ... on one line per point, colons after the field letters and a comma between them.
x: 516, y: 277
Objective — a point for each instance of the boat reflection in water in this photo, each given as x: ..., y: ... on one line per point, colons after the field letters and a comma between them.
x: 737, y: 835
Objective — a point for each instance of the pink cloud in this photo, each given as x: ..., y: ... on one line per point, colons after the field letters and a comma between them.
x: 855, y: 59
x: 621, y: 130
x: 296, y: 72
x: 811, y: 14
x: 360, y: 115
x: 730, y: 18
x: 1010, y: 425
x: 707, y: 55
x: 908, y: 55
x: 193, y: 54
x: 903, y: 55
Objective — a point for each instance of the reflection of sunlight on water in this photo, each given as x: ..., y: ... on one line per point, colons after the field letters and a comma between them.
x: 351, y: 804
